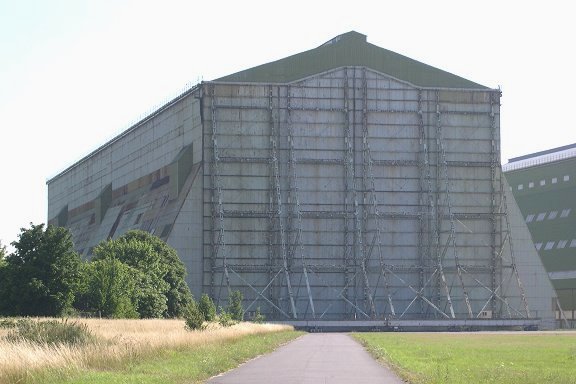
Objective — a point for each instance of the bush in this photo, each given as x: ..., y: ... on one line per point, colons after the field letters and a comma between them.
x: 225, y: 319
x: 50, y: 332
x: 161, y: 285
x: 235, y: 306
x: 207, y: 307
x: 193, y: 317
x: 258, y: 317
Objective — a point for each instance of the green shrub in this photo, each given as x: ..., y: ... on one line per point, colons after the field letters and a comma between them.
x: 193, y: 317
x: 225, y: 319
x: 207, y: 307
x: 50, y: 332
x: 235, y: 305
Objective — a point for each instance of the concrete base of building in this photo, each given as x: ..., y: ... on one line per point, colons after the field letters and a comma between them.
x: 417, y: 325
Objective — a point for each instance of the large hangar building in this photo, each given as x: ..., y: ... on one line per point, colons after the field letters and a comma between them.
x: 544, y: 185
x: 344, y: 183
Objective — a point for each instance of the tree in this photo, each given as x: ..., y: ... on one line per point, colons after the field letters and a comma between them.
x: 207, y: 307
x: 235, y: 305
x: 151, y: 296
x: 138, y: 255
x: 173, y: 272
x: 163, y: 290
x: 3, y: 279
x: 111, y: 288
x: 42, y: 276
x: 2, y: 255
x: 193, y: 317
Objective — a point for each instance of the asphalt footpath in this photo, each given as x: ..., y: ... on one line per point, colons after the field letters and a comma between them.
x: 313, y: 358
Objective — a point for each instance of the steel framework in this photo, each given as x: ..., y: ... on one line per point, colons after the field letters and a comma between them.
x: 351, y: 195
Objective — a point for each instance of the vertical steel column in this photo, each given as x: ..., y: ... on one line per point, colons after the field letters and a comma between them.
x: 440, y: 255
x: 359, y: 246
x: 426, y: 200
x: 214, y: 233
x: 293, y: 180
x: 270, y: 215
x: 495, y: 161
x: 561, y: 314
x: 216, y: 183
x: 348, y: 251
x: 278, y: 197
x: 436, y: 214
x: 513, y: 260
x: 368, y: 173
x: 452, y: 237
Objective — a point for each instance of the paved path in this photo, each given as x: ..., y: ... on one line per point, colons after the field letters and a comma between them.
x: 313, y: 358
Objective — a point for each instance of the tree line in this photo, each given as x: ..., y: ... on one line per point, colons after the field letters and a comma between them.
x: 136, y: 275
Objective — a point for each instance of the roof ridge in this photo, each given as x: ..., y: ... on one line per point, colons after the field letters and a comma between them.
x: 348, y: 50
x: 346, y: 36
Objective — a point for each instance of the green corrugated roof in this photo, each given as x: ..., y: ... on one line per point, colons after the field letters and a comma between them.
x: 350, y: 49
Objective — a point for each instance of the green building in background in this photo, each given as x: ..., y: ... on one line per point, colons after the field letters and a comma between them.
x: 544, y: 185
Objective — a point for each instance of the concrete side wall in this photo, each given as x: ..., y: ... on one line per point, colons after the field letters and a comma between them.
x: 142, y: 151
x: 149, y: 179
x: 186, y: 236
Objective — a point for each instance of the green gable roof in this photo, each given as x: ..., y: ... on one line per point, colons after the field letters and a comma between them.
x: 350, y: 49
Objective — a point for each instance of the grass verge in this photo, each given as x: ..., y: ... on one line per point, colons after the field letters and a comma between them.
x: 522, y: 358
x: 121, y: 350
x: 182, y: 365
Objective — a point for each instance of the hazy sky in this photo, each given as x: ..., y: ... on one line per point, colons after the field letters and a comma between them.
x: 74, y: 74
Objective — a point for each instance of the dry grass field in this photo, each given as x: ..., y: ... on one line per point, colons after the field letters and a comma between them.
x: 117, y: 343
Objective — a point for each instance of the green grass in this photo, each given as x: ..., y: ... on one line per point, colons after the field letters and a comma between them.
x: 185, y: 365
x: 521, y: 358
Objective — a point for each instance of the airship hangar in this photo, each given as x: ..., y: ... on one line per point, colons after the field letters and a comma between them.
x: 347, y: 183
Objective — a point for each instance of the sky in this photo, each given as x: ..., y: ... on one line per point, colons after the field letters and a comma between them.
x: 76, y: 73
